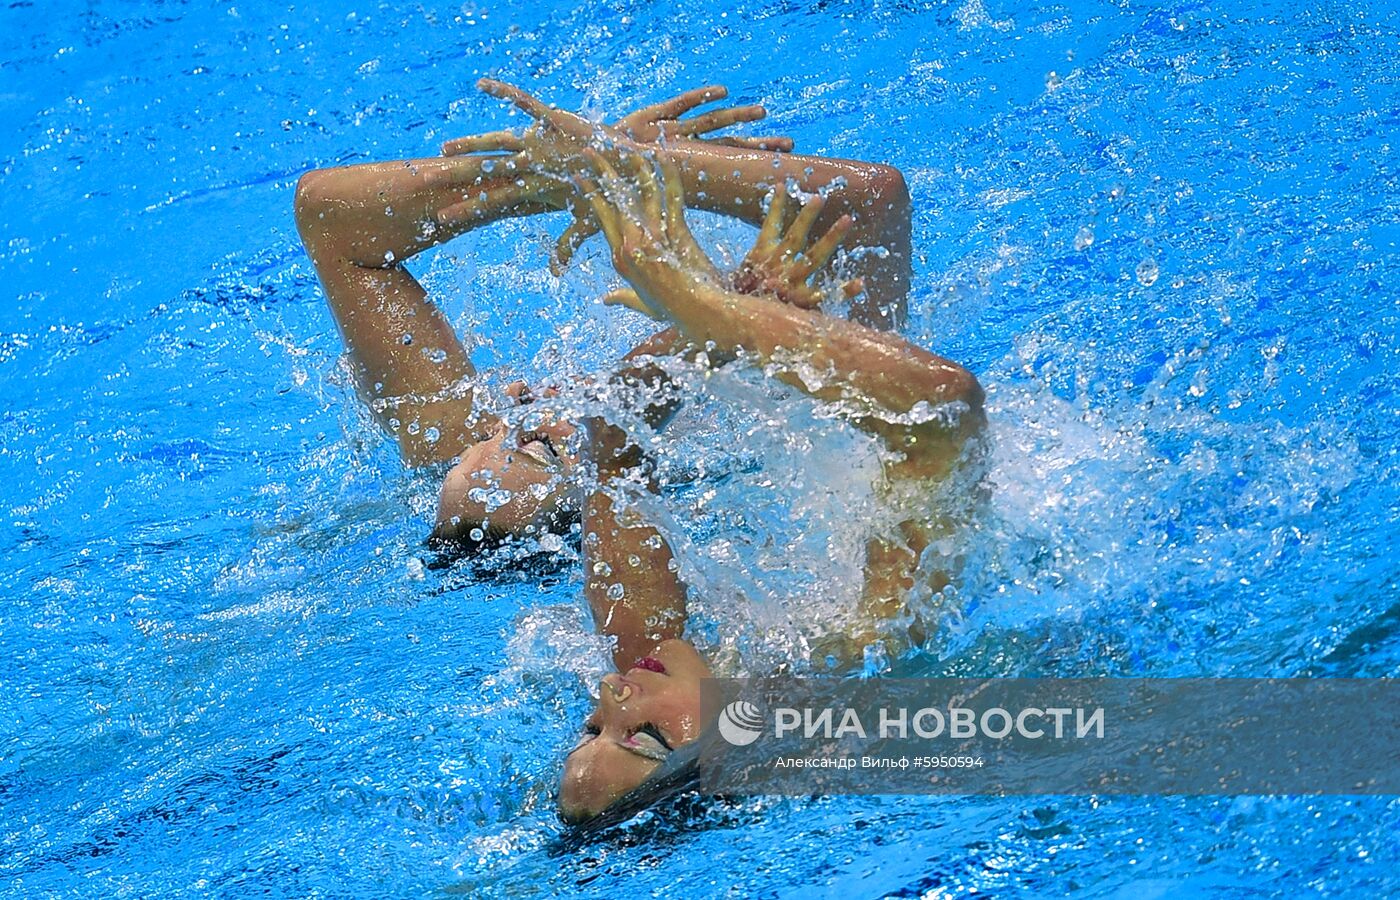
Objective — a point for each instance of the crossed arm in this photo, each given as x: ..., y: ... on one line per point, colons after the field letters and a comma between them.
x: 361, y: 223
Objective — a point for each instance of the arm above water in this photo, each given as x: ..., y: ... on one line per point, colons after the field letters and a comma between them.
x: 922, y: 405
x: 630, y: 582
x: 359, y: 224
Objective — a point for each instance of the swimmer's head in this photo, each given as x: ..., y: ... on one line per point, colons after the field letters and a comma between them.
x: 642, y: 716
x: 512, y: 484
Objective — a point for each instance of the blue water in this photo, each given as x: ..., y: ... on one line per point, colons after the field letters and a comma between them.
x: 1163, y: 236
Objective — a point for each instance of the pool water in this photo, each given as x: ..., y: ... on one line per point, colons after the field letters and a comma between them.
x: 1163, y: 236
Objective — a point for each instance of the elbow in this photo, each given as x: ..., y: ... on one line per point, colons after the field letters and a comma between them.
x: 309, y: 204
x: 964, y: 388
x: 889, y: 189
x: 951, y: 383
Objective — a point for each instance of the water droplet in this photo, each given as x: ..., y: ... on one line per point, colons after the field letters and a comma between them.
x: 477, y: 534
x: 1053, y: 80
x: 615, y: 592
x: 1147, y: 272
x: 488, y: 166
x: 1084, y: 238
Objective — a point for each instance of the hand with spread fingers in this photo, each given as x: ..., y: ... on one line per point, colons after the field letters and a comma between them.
x: 650, y: 124
x: 663, y: 122
x: 644, y: 221
x: 782, y: 265
x: 558, y: 137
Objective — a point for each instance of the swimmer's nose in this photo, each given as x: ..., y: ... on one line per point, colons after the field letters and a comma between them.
x: 615, y: 688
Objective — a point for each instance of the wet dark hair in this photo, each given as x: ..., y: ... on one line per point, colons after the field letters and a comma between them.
x: 449, y: 549
x: 676, y: 778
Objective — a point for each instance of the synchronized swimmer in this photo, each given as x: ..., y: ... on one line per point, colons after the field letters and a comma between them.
x: 632, y: 181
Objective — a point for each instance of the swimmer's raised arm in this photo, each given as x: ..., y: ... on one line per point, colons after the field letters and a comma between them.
x: 359, y: 224
x: 922, y: 405
x: 734, y: 180
x: 631, y: 585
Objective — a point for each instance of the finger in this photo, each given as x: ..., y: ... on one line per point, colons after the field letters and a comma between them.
x: 650, y: 191
x: 796, y: 238
x: 606, y: 217
x: 771, y: 144
x: 499, y: 89
x: 615, y: 190
x: 630, y: 299
x: 580, y: 230
x: 820, y: 253
x: 772, y: 228
x: 558, y: 119
x: 597, y: 163
x: 674, y: 193
x: 720, y: 118
x: 677, y: 229
x: 803, y: 297
x: 503, y: 141
x: 853, y: 288
x: 568, y: 243
x: 679, y: 105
